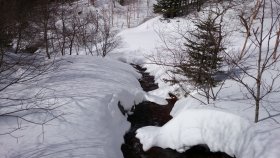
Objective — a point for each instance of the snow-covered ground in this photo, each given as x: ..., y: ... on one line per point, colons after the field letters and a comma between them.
x: 86, y: 91
x: 220, y: 129
x: 91, y: 125
x: 228, y: 125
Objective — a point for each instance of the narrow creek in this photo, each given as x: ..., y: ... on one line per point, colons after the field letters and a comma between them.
x: 152, y: 114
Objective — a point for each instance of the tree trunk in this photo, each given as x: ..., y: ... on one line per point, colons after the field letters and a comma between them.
x: 260, y: 68
x: 257, y: 111
x: 72, y: 42
x: 63, y: 38
x: 18, y: 41
x: 2, y: 55
x: 258, y: 84
x: 46, y: 41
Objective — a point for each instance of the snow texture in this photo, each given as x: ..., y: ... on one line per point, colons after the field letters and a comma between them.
x: 219, y: 130
x: 224, y: 125
x: 86, y: 91
x: 89, y: 90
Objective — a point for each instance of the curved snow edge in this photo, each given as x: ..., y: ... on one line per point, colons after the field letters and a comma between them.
x: 221, y: 131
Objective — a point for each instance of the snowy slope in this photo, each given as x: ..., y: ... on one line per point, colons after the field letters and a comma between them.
x: 227, y: 131
x: 88, y: 90
x: 91, y: 124
x: 142, y: 43
x: 85, y: 92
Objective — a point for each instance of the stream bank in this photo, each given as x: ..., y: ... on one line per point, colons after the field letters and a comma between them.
x: 151, y: 114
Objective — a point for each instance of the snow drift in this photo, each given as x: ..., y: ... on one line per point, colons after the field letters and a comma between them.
x: 86, y: 91
x: 195, y: 124
x: 219, y: 130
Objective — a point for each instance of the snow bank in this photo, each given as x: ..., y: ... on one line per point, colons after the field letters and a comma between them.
x: 144, y: 41
x: 195, y: 124
x: 220, y: 130
x: 86, y: 91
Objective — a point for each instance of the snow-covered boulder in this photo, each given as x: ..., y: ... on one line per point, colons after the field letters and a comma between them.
x: 220, y: 130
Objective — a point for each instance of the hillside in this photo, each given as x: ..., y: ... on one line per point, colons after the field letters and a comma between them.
x: 64, y: 101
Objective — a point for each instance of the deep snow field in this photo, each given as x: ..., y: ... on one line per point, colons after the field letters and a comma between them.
x: 87, y: 91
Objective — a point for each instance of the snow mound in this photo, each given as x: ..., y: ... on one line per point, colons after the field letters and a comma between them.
x: 195, y: 124
x: 221, y: 131
x: 155, y: 99
x: 86, y: 91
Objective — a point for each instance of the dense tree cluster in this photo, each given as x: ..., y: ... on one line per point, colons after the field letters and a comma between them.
x: 125, y: 2
x: 174, y: 8
x: 19, y: 19
x: 53, y: 26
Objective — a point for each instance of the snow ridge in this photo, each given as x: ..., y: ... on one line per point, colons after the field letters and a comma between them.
x: 220, y: 130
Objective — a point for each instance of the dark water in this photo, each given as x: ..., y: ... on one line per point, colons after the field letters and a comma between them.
x: 151, y: 114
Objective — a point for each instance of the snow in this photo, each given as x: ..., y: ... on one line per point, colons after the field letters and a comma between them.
x: 155, y: 99
x: 87, y: 91
x: 223, y: 125
x: 260, y: 142
x: 219, y: 130
x: 142, y: 42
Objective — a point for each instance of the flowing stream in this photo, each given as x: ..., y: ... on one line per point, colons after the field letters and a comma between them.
x: 151, y: 114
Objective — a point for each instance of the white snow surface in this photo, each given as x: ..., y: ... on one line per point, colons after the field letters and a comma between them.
x: 87, y: 91
x: 218, y: 129
x: 224, y: 125
x: 142, y: 42
x: 90, y: 88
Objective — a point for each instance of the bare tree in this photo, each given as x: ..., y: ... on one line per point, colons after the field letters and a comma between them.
x: 106, y: 38
x: 128, y: 15
x: 61, y: 33
x: 96, y: 33
x: 257, y: 61
x: 89, y: 27
x: 45, y: 21
x: 73, y: 32
x: 19, y: 70
x: 65, y: 27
